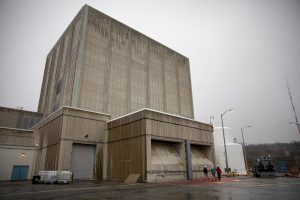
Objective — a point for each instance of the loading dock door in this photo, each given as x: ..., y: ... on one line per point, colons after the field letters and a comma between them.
x: 83, y: 161
x: 19, y: 173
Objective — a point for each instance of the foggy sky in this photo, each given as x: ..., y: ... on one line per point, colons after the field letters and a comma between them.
x: 239, y: 52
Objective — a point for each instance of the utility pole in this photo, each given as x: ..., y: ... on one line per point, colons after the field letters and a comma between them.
x: 291, y: 98
x: 244, y: 147
x: 226, y: 158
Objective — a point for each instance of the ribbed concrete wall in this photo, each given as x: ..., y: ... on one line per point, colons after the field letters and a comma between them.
x: 15, y: 137
x: 103, y: 65
x: 124, y: 71
x: 59, y: 74
x: 19, y: 119
x: 57, y: 133
x: 48, y: 140
x: 139, y: 143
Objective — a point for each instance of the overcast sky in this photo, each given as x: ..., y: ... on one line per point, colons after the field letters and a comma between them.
x: 239, y: 52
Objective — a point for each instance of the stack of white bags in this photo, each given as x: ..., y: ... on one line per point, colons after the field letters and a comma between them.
x: 55, y: 176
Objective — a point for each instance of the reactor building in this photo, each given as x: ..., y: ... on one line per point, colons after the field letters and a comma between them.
x: 113, y: 102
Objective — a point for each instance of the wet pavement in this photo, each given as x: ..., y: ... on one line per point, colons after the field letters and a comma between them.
x: 282, y: 188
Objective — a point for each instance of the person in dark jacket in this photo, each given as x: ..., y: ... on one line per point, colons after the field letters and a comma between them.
x: 205, y: 173
x: 219, y: 172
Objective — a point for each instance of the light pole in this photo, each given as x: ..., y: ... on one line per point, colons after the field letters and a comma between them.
x: 226, y: 160
x: 244, y: 147
x: 211, y: 117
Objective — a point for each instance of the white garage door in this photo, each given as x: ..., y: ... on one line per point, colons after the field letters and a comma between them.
x: 83, y: 161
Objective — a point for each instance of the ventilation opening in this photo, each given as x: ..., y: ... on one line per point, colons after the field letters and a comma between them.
x: 200, y: 156
x: 165, y: 153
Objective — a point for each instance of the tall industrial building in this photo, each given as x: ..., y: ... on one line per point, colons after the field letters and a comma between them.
x: 115, y: 102
x: 103, y: 65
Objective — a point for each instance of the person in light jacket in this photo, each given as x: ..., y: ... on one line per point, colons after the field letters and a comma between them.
x: 213, y: 173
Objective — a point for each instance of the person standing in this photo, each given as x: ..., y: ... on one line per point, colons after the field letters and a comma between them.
x: 219, y: 172
x: 205, y: 172
x: 213, y: 173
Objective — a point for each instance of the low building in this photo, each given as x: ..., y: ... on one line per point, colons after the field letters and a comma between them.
x: 155, y: 145
x: 17, y: 143
x: 72, y: 139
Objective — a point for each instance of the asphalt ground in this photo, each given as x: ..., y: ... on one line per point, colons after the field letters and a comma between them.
x: 282, y: 188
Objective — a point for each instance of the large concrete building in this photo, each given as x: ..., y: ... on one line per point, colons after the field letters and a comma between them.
x: 114, y: 103
x: 103, y: 65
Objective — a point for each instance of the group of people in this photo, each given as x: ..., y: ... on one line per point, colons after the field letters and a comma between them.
x: 213, y: 171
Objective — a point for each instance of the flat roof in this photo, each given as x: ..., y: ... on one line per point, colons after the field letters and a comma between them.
x: 7, y: 109
x: 152, y: 110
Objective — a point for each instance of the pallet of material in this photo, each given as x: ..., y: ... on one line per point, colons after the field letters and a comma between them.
x: 64, y: 176
x: 50, y: 177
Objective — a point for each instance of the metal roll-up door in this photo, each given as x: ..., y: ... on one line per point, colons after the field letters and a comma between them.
x: 83, y: 161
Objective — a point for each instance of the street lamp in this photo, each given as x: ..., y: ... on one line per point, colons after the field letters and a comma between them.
x: 226, y: 160
x: 211, y: 117
x: 244, y: 147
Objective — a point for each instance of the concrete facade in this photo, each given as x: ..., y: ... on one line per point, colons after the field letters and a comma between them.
x: 103, y: 65
x: 16, y: 118
x: 16, y: 149
x: 110, y: 88
x: 57, y: 133
x: 151, y: 143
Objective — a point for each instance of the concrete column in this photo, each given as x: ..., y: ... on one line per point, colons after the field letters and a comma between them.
x: 65, y: 155
x: 105, y: 158
x: 189, y: 170
x: 148, y: 156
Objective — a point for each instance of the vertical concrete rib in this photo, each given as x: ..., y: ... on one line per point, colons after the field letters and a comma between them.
x: 192, y: 105
x: 67, y: 65
x: 129, y: 74
x: 164, y: 81
x: 80, y: 60
x: 69, y: 77
x: 44, y: 86
x: 147, y: 76
x: 54, y: 80
x: 58, y: 69
x: 107, y: 78
x: 50, y: 89
x: 178, y: 87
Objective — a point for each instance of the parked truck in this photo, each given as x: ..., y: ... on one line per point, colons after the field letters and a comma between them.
x: 263, y: 167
